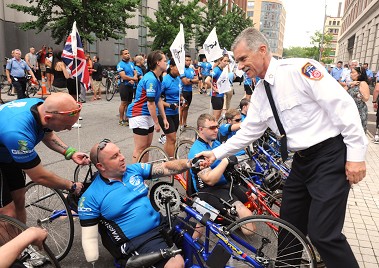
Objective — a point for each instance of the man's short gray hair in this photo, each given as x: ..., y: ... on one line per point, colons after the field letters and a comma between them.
x: 253, y: 38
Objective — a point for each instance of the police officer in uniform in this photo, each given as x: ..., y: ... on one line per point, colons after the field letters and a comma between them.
x: 15, y: 71
x: 322, y: 126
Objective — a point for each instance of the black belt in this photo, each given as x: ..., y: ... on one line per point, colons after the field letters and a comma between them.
x: 313, y: 149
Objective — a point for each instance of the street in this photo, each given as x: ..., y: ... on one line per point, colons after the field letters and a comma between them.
x: 100, y: 120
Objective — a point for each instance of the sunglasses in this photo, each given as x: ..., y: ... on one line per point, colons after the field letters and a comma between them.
x: 69, y: 113
x: 237, y: 120
x: 212, y: 127
x: 100, y: 147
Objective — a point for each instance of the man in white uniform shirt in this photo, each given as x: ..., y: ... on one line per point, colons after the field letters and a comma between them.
x: 322, y: 126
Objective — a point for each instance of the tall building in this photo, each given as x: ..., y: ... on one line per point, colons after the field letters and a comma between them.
x: 333, y: 26
x: 359, y: 33
x: 269, y: 17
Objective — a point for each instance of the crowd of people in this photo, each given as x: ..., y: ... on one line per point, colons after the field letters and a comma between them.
x: 297, y: 99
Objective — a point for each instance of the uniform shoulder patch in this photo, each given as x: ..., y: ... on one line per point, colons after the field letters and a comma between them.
x: 310, y: 71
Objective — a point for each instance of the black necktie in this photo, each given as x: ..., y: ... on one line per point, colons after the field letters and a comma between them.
x: 283, y: 138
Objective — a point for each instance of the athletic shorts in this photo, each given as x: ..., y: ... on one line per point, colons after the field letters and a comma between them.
x: 217, y: 103
x: 126, y: 93
x: 209, y: 194
x: 11, y: 178
x: 248, y: 89
x: 173, y: 121
x: 204, y: 77
x: 187, y: 95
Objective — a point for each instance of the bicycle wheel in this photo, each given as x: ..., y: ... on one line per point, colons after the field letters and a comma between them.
x: 155, y: 155
x: 84, y: 173
x: 182, y: 149
x: 10, y: 228
x: 32, y: 88
x: 262, y: 244
x: 109, y: 89
x: 188, y: 133
x: 48, y: 208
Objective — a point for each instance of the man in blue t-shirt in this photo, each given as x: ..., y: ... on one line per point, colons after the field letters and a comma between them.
x: 24, y: 124
x: 188, y: 78
x: 210, y: 183
x: 128, y: 77
x: 132, y: 225
x: 205, y: 71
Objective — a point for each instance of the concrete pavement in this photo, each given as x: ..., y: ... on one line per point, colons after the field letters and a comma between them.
x: 101, y: 121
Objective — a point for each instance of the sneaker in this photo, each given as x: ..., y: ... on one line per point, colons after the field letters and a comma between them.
x: 123, y: 123
x: 36, y: 259
x: 80, y: 118
x: 27, y: 265
x: 162, y: 139
x: 376, y: 139
x: 76, y: 125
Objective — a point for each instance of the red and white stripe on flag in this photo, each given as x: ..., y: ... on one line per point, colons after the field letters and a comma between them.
x: 74, y: 58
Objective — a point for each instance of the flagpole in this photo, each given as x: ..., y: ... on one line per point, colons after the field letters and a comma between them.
x: 77, y: 99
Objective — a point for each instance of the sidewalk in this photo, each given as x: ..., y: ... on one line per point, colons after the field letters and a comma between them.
x: 362, y: 216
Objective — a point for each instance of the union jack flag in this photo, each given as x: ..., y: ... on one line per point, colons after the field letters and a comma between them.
x: 73, y: 56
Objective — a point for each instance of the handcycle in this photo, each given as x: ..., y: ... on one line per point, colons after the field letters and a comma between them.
x: 10, y: 228
x: 226, y: 246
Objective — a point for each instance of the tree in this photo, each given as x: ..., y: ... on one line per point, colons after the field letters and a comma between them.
x: 228, y: 25
x: 326, y: 46
x: 102, y: 19
x: 295, y: 52
x: 165, y: 27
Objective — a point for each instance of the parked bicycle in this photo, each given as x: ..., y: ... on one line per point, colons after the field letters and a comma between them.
x: 111, y: 84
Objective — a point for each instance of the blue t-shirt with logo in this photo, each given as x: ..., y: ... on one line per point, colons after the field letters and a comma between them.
x: 206, y: 68
x: 21, y: 130
x: 148, y: 87
x: 128, y: 68
x: 190, y: 74
x: 199, y: 146
x: 122, y: 206
x: 171, y: 91
x: 216, y: 73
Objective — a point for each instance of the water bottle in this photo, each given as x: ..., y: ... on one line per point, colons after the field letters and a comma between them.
x: 203, y: 207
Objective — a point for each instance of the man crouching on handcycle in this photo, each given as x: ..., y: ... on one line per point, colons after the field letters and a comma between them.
x: 116, y: 204
x: 210, y: 183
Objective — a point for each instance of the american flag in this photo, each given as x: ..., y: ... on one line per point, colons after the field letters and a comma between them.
x: 73, y: 49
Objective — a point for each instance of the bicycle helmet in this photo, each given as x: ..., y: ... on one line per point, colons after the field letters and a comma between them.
x: 273, y: 181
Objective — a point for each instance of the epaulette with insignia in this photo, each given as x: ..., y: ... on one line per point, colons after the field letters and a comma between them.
x: 310, y: 71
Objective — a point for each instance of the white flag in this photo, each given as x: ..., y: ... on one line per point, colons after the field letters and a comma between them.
x: 223, y: 84
x: 211, y: 47
x: 177, y: 50
x: 73, y: 40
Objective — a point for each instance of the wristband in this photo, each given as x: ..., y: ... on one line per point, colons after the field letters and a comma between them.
x: 374, y: 102
x: 69, y: 152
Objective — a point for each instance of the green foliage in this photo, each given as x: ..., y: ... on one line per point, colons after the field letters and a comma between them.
x: 167, y: 21
x: 103, y: 18
x: 312, y: 52
x: 228, y: 25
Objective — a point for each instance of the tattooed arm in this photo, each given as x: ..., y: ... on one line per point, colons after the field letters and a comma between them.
x: 170, y: 168
x: 52, y: 141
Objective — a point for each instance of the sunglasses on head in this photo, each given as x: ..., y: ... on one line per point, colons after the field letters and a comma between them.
x: 69, y: 113
x: 100, y: 147
x: 212, y: 127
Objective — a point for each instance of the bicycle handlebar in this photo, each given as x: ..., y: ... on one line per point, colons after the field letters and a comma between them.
x: 148, y: 259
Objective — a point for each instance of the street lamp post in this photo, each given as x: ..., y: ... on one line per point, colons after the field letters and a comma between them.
x: 322, y: 36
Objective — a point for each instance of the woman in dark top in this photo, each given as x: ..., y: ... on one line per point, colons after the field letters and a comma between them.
x: 60, y: 72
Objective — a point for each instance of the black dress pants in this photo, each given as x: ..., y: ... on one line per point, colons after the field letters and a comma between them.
x: 314, y: 200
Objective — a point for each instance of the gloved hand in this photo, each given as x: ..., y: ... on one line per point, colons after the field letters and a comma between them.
x: 232, y: 161
x: 195, y: 162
